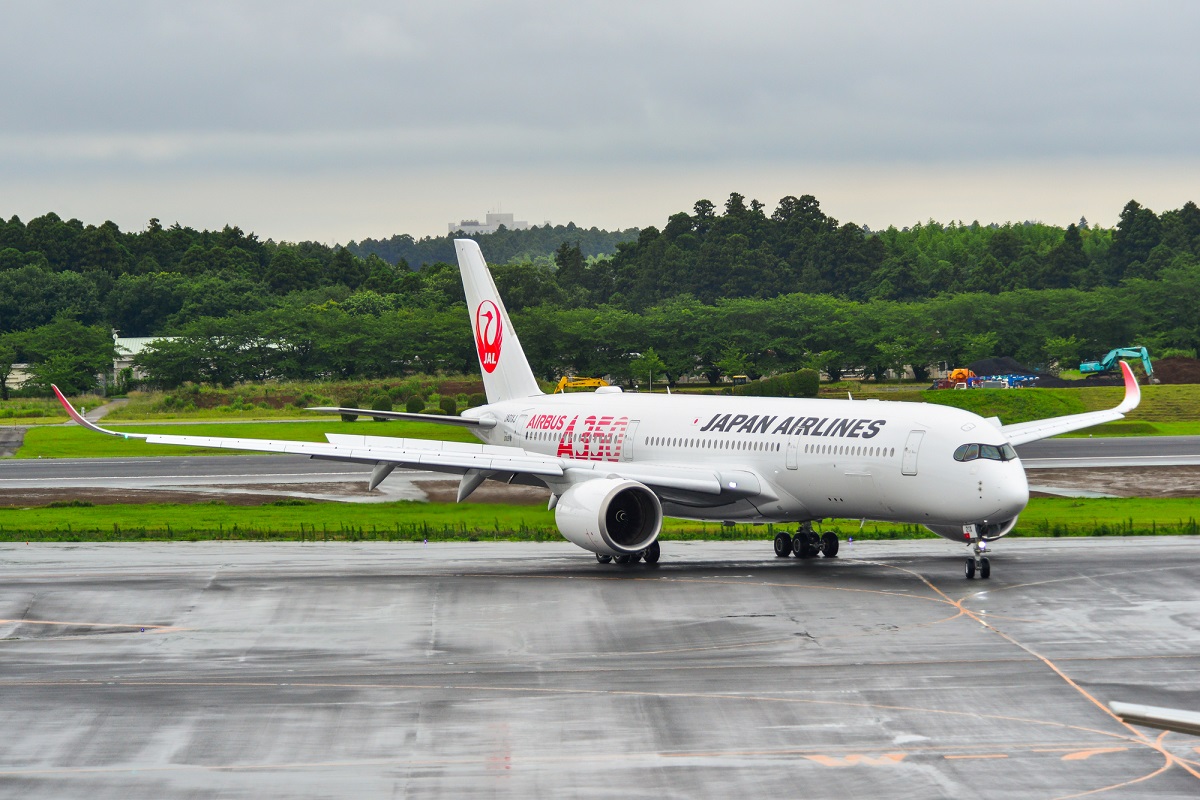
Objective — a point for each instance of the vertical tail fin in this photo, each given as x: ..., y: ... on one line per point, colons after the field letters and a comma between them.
x: 506, y: 372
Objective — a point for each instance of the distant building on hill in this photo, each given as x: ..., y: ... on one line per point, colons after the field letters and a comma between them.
x: 491, y: 225
x: 125, y: 350
x: 128, y: 348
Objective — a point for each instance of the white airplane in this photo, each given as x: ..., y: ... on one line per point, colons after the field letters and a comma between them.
x: 617, y: 463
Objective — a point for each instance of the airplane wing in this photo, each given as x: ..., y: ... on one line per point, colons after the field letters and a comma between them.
x: 1166, y: 719
x: 1023, y: 432
x: 456, y: 458
x: 464, y: 422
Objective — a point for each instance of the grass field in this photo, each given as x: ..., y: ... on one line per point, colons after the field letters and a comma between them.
x: 76, y: 442
x: 1165, y: 410
x: 408, y: 521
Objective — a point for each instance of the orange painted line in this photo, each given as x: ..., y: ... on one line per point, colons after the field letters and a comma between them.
x: 1166, y: 766
x: 89, y: 624
x: 1084, y: 755
x: 981, y: 755
x: 853, y: 760
x: 1170, y: 759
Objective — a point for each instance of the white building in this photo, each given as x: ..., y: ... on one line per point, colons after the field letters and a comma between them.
x: 493, y: 223
x: 127, y: 348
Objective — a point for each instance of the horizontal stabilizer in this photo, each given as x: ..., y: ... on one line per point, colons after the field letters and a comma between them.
x: 462, y: 422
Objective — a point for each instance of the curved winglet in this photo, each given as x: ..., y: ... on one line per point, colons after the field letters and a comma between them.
x: 1023, y: 432
x: 1133, y: 392
x: 87, y: 423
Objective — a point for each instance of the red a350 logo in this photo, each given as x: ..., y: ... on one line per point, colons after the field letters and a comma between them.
x: 489, y: 331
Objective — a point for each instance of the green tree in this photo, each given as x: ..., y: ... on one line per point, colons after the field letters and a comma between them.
x: 1063, y: 351
x: 289, y: 272
x: 8, y: 356
x: 569, y: 259
x: 69, y: 354
x: 1138, y: 232
x: 348, y: 269
x: 732, y: 361
x: 647, y: 364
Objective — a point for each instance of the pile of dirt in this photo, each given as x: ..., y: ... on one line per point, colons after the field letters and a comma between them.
x: 1107, y: 379
x: 1005, y: 365
x: 1177, y: 370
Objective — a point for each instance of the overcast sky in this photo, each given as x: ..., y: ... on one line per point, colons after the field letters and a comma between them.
x: 343, y: 120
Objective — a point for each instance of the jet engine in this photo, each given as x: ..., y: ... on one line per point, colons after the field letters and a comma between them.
x: 989, y: 531
x: 610, y: 516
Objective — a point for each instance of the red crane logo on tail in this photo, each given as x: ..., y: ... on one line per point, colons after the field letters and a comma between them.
x: 489, y: 332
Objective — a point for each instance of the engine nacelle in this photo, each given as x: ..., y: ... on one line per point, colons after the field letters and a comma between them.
x: 610, y: 516
x: 989, y: 532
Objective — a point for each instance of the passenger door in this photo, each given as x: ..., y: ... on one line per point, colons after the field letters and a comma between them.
x: 630, y: 437
x: 908, y: 463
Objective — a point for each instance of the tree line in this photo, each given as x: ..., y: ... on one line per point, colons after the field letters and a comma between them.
x: 711, y: 294
x: 501, y: 247
x: 685, y: 337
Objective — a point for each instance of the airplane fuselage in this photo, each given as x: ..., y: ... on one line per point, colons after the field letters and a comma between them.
x: 815, y: 459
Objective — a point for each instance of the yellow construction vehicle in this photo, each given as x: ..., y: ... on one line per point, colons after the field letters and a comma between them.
x: 571, y: 382
x: 960, y: 375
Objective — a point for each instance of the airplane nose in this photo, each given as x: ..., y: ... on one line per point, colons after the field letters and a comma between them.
x: 1013, y: 493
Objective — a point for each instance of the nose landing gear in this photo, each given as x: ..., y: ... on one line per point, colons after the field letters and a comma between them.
x: 978, y: 562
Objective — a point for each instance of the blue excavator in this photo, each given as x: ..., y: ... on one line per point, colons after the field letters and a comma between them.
x: 1109, y: 362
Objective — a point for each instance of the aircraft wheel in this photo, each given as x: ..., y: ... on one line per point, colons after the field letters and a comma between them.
x: 830, y: 544
x: 603, y: 558
x: 805, y: 545
x: 652, y: 553
x: 985, y: 568
x: 970, y: 568
x: 783, y: 544
x: 623, y: 559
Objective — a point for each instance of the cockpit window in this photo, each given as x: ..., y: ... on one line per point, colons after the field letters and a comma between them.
x: 992, y: 452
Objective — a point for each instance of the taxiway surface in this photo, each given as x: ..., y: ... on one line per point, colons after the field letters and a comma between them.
x: 333, y: 480
x: 464, y: 670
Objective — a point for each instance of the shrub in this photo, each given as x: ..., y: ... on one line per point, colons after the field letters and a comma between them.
x: 449, y: 405
x: 802, y: 383
x: 415, y: 405
x: 477, y: 399
x: 381, y: 402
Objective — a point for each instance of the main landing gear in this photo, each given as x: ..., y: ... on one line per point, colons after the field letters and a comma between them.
x: 807, y: 543
x: 649, y: 555
x: 977, y: 561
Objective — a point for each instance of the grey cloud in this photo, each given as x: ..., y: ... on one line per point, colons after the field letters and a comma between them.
x: 158, y: 90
